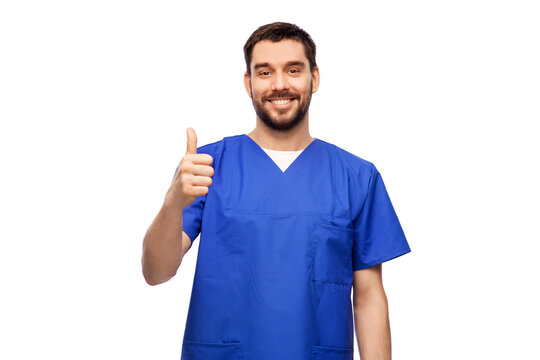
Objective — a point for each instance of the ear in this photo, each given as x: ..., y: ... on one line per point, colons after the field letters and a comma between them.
x: 315, y: 78
x: 247, y: 83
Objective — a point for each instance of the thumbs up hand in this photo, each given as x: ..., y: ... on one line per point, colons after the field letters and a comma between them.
x: 193, y: 176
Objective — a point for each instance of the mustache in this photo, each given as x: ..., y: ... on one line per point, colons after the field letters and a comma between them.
x: 280, y: 94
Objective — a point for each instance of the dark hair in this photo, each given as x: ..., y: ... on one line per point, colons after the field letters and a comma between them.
x: 278, y: 31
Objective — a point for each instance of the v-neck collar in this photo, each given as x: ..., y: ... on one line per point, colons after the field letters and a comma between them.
x: 274, y: 165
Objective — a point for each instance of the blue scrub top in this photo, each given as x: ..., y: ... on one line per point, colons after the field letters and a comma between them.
x: 278, y: 249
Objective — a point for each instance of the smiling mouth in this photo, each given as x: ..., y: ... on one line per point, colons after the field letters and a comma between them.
x: 281, y: 101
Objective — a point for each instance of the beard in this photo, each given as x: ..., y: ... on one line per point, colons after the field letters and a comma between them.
x: 287, y: 122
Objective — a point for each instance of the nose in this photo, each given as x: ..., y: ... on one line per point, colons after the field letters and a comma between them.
x: 280, y: 82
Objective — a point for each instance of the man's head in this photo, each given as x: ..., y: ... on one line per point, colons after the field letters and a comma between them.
x: 276, y: 32
x: 281, y: 74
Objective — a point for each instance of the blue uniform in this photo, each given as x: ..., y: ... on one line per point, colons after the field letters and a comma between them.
x: 278, y: 249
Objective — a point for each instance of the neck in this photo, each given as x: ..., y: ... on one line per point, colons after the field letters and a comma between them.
x: 297, y: 138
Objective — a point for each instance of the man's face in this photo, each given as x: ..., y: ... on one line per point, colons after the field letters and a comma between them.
x: 281, y: 83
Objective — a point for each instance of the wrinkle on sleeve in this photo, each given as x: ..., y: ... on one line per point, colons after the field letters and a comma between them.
x: 378, y: 234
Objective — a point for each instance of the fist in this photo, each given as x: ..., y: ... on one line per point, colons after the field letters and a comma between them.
x: 193, y: 176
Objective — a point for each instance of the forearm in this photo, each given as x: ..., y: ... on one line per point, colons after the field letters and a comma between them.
x: 162, y: 246
x: 372, y: 325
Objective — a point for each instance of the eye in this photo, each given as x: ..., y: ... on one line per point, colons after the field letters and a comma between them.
x: 264, y: 73
x: 294, y: 71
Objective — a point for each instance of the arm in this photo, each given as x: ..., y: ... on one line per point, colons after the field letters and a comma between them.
x: 371, y: 319
x: 164, y: 246
x: 165, y: 243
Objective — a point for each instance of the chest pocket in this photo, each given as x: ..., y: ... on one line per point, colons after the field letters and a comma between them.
x: 332, y: 254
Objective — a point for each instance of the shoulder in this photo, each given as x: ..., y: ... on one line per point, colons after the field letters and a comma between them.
x: 347, y: 161
x: 210, y: 148
x: 219, y: 145
x: 217, y: 148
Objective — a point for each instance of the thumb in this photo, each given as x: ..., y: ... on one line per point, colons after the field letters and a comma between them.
x: 191, y: 141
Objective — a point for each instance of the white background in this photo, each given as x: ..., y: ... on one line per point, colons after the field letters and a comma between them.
x: 95, y: 99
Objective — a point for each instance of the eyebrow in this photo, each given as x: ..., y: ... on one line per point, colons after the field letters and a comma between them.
x: 290, y: 63
x: 296, y: 63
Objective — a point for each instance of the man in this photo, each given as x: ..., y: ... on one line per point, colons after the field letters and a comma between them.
x: 288, y: 223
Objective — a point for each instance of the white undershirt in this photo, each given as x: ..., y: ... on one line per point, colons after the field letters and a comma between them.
x: 283, y: 158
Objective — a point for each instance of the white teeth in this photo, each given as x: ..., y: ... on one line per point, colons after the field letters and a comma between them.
x: 281, y: 102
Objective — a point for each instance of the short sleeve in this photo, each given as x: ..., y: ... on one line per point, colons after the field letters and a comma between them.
x: 191, y: 218
x: 378, y: 234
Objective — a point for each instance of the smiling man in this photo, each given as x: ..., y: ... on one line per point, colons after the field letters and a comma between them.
x: 289, y: 225
x: 281, y: 83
